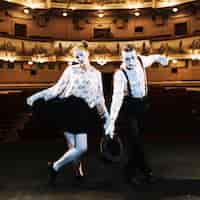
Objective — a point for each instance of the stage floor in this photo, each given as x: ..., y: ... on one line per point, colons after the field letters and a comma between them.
x: 23, y: 173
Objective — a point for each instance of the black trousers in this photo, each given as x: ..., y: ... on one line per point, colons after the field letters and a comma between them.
x: 134, y: 137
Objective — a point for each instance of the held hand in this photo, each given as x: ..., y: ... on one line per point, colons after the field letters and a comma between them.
x: 110, y: 130
x: 112, y: 134
x: 106, y: 118
x: 163, y: 60
x: 107, y: 123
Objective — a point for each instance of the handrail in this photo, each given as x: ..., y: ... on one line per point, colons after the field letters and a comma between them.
x: 161, y: 37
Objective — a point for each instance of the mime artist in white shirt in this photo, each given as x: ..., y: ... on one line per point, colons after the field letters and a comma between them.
x: 81, y: 96
x: 129, y: 100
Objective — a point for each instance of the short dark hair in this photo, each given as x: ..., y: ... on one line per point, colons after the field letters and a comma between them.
x: 128, y: 48
x: 84, y: 44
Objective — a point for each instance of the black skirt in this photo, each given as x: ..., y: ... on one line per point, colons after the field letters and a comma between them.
x: 68, y: 114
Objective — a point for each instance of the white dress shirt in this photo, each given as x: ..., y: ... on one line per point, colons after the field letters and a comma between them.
x: 84, y: 83
x: 137, y: 80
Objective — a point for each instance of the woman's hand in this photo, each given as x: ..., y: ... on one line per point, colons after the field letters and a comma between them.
x: 29, y: 101
x: 110, y: 129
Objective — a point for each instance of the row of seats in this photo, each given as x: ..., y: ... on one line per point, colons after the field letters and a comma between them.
x: 172, y: 112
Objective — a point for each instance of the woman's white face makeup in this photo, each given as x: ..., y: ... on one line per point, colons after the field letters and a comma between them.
x: 81, y: 56
x: 129, y: 58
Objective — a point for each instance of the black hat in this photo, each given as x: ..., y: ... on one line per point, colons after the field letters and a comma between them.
x: 111, y: 149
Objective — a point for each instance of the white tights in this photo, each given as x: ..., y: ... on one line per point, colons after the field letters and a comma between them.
x: 77, y: 146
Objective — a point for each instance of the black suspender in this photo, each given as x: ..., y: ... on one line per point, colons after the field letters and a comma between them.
x: 128, y: 82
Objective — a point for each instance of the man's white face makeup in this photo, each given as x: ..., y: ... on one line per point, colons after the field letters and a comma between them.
x: 129, y: 58
x: 81, y: 56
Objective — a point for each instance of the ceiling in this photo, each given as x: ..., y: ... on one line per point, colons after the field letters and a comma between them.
x: 98, y: 4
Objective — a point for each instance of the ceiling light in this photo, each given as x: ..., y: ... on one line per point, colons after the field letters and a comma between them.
x: 26, y: 11
x: 174, y: 61
x: 101, y: 61
x: 30, y: 62
x: 100, y: 14
x: 64, y: 14
x: 137, y: 14
x: 175, y: 9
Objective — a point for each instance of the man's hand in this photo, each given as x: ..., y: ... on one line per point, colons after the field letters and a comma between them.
x: 163, y: 60
x: 110, y: 129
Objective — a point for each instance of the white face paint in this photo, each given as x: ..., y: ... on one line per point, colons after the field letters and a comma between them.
x: 129, y: 58
x: 81, y: 56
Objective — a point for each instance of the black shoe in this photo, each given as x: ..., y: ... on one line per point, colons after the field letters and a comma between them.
x: 52, y: 174
x: 80, y: 179
x: 135, y: 181
x: 149, y: 178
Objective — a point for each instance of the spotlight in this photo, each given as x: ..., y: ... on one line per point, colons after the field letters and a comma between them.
x: 174, y: 61
x: 102, y: 62
x: 64, y: 14
x: 137, y: 14
x: 101, y: 14
x: 30, y: 62
x: 175, y: 9
x: 26, y: 10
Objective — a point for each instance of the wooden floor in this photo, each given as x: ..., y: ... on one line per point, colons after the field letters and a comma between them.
x: 172, y: 127
x: 23, y: 173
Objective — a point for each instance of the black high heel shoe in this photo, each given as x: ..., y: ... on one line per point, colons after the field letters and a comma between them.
x: 52, y: 174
